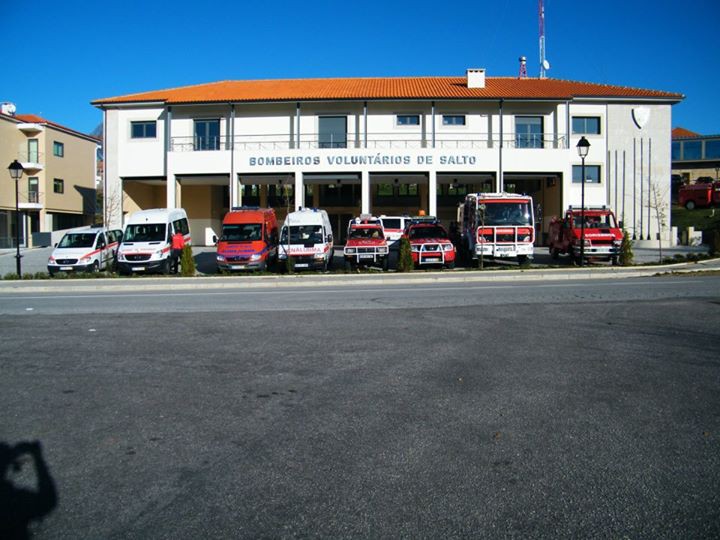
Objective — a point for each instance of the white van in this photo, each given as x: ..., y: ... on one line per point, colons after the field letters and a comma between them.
x: 85, y: 249
x: 147, y: 240
x: 394, y: 226
x: 310, y: 242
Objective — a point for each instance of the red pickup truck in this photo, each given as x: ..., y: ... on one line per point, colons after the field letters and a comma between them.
x: 602, y: 239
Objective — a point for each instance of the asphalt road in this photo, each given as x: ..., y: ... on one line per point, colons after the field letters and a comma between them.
x: 517, y: 410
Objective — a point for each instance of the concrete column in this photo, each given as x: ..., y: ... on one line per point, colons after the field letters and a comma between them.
x: 365, y: 193
x: 263, y: 196
x: 316, y: 195
x: 171, y: 191
x: 299, y: 191
x: 424, y: 200
x: 432, y: 193
x: 237, y: 193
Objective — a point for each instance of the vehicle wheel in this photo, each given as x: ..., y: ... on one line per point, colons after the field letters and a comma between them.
x: 614, y: 261
x: 690, y: 205
x: 450, y: 265
x: 95, y: 267
x: 165, y: 267
x: 554, y: 253
x: 386, y: 263
x: 523, y: 260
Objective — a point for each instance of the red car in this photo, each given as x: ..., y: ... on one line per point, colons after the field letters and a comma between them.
x: 366, y: 244
x: 430, y: 243
x: 700, y: 195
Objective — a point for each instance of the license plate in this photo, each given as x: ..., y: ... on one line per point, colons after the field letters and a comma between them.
x: 237, y: 267
x: 503, y: 249
x: 366, y: 256
x: 66, y: 268
x: 301, y: 265
x: 137, y: 268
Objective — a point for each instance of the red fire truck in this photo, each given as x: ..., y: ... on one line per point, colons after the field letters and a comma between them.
x: 366, y: 244
x: 699, y: 195
x: 603, y: 237
x: 497, y: 225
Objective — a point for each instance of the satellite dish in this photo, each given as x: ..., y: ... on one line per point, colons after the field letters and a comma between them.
x: 546, y: 64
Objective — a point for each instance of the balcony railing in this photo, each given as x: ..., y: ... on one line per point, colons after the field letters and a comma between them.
x: 385, y: 141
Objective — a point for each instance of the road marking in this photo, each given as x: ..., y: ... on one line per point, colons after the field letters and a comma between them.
x: 286, y: 292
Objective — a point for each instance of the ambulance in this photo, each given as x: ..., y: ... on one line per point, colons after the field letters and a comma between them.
x: 306, y: 237
x: 394, y: 227
x: 249, y: 239
x: 147, y: 240
x: 85, y: 249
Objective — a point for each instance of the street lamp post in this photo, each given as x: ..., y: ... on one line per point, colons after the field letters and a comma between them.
x: 16, y: 170
x: 583, y: 147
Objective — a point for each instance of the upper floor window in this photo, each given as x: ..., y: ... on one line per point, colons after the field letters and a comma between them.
x: 453, y: 119
x: 58, y: 149
x: 207, y: 134
x: 143, y: 130
x: 529, y: 131
x: 332, y: 131
x: 586, y: 125
x: 58, y: 185
x: 592, y: 174
x: 692, y: 150
x: 408, y: 119
x: 712, y: 149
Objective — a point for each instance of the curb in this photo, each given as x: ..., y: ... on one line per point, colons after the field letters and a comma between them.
x: 347, y: 280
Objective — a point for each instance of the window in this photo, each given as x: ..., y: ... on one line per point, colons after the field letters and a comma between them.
x: 33, y: 153
x: 332, y: 131
x: 692, y: 149
x: 676, y: 155
x: 143, y: 130
x: 207, y: 135
x: 408, y: 119
x: 453, y: 119
x: 33, y: 189
x: 58, y: 149
x: 452, y: 189
x: 406, y: 190
x: 712, y: 149
x: 586, y: 125
x: 385, y: 190
x: 528, y: 132
x: 58, y: 185
x: 592, y: 174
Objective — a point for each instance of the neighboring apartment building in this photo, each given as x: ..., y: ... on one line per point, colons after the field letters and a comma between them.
x: 386, y: 146
x: 57, y: 189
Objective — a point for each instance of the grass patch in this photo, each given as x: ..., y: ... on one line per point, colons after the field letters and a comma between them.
x: 700, y: 218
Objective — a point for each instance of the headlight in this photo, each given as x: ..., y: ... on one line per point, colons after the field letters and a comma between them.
x: 587, y: 243
x: 121, y: 256
x: 415, y: 248
x: 220, y: 258
x: 617, y: 243
x: 85, y: 258
x: 350, y: 251
x: 282, y: 255
x: 319, y: 255
x: 526, y: 238
x: 255, y: 257
x: 158, y: 253
x: 51, y: 260
x: 448, y: 247
x: 382, y: 249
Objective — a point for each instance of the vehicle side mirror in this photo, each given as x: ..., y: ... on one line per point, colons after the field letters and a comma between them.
x: 214, y: 239
x: 55, y: 245
x: 622, y: 225
x: 329, y: 238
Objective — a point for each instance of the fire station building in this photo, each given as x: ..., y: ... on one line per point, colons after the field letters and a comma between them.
x: 388, y: 146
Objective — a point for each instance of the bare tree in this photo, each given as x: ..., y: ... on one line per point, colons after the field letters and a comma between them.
x: 656, y: 202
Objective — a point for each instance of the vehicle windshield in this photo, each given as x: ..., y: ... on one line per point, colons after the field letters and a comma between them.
x: 606, y: 221
x: 146, y: 232
x: 366, y: 232
x: 241, y: 232
x: 77, y: 240
x: 303, y: 234
x: 433, y: 231
x: 506, y: 213
x: 392, y: 223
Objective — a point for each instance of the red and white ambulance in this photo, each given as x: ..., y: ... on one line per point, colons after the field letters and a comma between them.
x: 306, y: 238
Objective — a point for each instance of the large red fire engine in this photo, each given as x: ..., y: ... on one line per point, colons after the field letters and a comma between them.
x: 499, y: 225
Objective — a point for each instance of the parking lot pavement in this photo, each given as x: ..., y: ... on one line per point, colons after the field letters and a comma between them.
x: 34, y: 260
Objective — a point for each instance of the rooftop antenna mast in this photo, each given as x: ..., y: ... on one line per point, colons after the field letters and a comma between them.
x: 544, y: 64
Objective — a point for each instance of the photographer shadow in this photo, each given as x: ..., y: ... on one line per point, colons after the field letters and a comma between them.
x: 20, y: 505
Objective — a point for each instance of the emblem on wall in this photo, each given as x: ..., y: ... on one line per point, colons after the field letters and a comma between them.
x: 641, y: 115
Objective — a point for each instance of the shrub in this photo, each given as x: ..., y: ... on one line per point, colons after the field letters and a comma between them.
x: 405, y: 262
x: 187, y: 263
x: 41, y: 275
x: 11, y: 275
x: 626, y: 252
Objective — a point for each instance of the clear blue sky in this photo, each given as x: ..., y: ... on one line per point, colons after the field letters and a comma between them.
x: 58, y: 56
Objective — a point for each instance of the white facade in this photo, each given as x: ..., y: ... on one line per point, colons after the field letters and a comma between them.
x: 276, y: 144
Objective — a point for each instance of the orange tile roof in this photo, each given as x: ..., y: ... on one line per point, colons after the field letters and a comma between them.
x: 681, y: 133
x: 35, y: 119
x: 387, y: 88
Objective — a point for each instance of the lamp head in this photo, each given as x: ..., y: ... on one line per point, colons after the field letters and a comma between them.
x: 583, y: 147
x: 16, y: 170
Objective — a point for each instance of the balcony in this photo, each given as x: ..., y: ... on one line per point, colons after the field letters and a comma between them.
x: 30, y: 201
x: 375, y: 141
x: 31, y: 162
x: 31, y: 128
